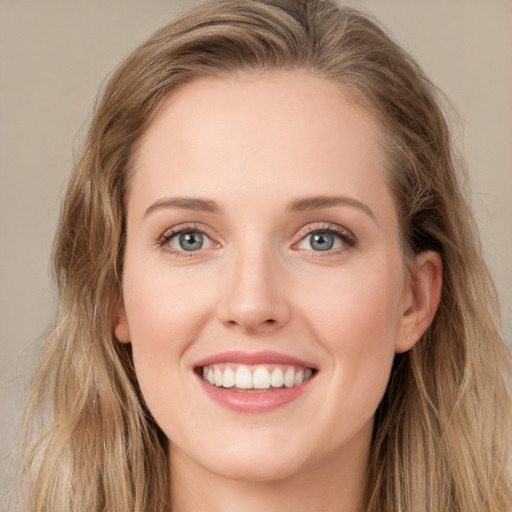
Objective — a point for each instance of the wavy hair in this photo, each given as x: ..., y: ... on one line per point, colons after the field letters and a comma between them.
x: 442, y: 432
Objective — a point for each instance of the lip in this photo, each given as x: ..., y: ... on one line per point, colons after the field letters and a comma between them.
x: 252, y: 358
x: 255, y: 402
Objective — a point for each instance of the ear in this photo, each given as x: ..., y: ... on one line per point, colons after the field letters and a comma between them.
x: 421, y: 299
x: 121, y: 330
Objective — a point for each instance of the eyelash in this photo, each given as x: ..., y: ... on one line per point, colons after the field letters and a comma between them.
x: 164, y: 240
x: 349, y: 241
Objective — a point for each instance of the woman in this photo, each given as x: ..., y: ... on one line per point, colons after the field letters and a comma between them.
x: 271, y: 291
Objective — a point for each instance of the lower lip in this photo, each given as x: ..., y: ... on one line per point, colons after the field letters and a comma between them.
x: 241, y: 401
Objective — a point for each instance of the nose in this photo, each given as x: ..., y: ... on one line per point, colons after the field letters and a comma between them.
x: 254, y: 300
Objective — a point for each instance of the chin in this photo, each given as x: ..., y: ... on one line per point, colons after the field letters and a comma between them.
x: 261, y: 469
x: 261, y: 460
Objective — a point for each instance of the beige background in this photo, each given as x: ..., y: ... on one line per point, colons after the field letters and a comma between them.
x: 55, y: 54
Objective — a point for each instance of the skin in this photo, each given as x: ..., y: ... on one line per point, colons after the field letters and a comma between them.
x: 253, y: 144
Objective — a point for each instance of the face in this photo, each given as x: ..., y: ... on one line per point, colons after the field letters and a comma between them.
x: 262, y: 249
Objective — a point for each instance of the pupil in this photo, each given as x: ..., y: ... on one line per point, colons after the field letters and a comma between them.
x: 322, y: 241
x: 191, y: 241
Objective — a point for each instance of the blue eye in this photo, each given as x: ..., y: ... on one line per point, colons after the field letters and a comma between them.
x: 323, y: 240
x: 189, y: 241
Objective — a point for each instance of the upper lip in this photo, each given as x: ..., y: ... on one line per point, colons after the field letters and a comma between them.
x: 251, y: 358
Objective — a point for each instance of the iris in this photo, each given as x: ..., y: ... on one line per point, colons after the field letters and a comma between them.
x: 322, y: 241
x: 191, y: 241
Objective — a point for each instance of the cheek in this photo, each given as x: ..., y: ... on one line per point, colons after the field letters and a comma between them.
x: 165, y: 310
x: 165, y: 316
x: 359, y: 310
x: 164, y: 320
x: 357, y: 321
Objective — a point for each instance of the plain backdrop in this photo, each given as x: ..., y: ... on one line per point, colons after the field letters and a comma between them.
x: 55, y: 54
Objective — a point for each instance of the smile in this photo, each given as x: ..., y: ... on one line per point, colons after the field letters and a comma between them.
x: 254, y: 382
x: 240, y: 377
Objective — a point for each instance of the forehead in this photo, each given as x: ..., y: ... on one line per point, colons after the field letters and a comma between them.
x: 289, y: 130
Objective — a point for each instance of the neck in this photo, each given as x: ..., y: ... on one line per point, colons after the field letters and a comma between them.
x: 335, y: 484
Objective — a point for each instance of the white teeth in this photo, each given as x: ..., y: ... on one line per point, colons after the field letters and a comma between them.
x: 289, y: 378
x: 261, y: 377
x: 299, y: 377
x: 229, y: 378
x: 277, y: 378
x: 218, y: 377
x: 243, y: 378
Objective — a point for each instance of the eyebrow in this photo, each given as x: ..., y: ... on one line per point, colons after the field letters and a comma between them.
x: 186, y: 203
x: 318, y: 202
x: 301, y: 204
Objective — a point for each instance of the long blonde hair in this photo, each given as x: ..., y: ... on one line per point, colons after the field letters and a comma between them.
x: 442, y: 431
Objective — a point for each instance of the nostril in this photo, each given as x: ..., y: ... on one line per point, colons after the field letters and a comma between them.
x: 269, y: 321
x: 252, y: 320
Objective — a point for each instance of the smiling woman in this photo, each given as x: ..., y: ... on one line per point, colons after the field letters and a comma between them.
x: 271, y: 291
x: 310, y: 285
